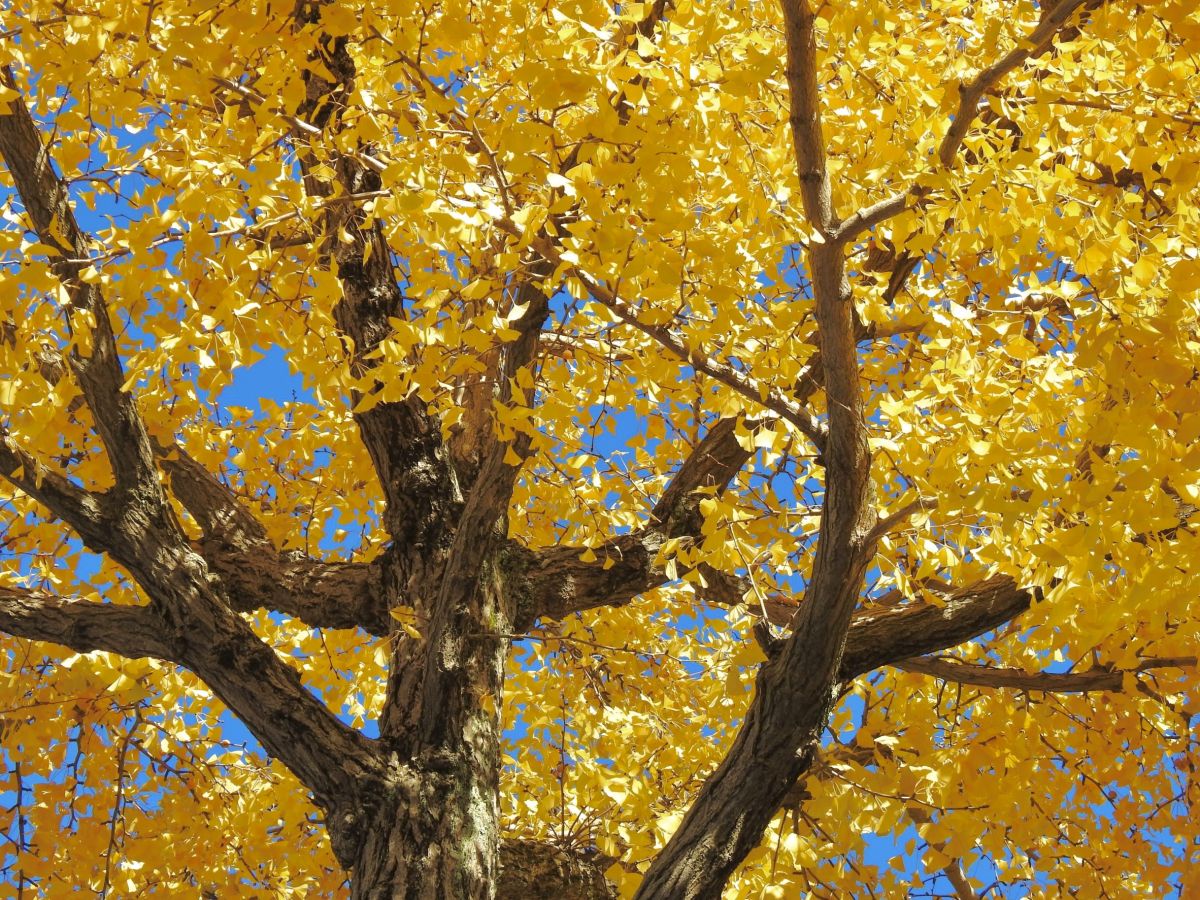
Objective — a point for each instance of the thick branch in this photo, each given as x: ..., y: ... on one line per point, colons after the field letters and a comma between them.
x: 558, y: 582
x: 318, y: 593
x: 84, y: 626
x: 794, y: 690
x: 80, y: 509
x: 213, y: 505
x: 136, y: 526
x: 1095, y: 679
x: 255, y: 575
x: 403, y: 440
x: 716, y: 460
x: 534, y: 870
x: 804, y: 115
x: 244, y: 672
x: 264, y: 691
x: 884, y: 637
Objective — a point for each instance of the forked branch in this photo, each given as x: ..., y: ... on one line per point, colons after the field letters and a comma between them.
x: 189, y: 619
x: 97, y: 363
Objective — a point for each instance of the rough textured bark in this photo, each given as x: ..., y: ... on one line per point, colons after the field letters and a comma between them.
x: 133, y: 522
x: 1095, y: 679
x: 533, y: 870
x: 257, y: 576
x: 82, y: 625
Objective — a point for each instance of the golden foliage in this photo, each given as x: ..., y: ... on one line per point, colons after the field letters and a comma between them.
x: 1036, y: 374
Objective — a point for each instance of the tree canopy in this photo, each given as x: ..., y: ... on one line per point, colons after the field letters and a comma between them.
x: 725, y: 447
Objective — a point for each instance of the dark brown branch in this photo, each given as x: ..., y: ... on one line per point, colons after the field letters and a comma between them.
x: 716, y: 460
x: 444, y: 691
x: 794, y: 690
x: 403, y: 440
x: 255, y: 575
x: 138, y: 631
x: 804, y: 116
x: 1095, y: 679
x: 558, y: 582
x: 745, y: 790
x: 82, y: 625
x: 535, y: 870
x: 213, y: 505
x: 123, y: 520
x: 80, y: 509
x: 292, y: 725
x: 1032, y: 46
x: 318, y: 593
x: 881, y: 637
x: 135, y: 525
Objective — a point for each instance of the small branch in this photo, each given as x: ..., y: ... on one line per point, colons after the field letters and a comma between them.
x: 47, y: 204
x: 885, y: 525
x: 1139, y: 115
x: 953, y: 870
x: 768, y: 398
x: 458, y: 120
x: 1096, y: 679
x: 118, y: 801
x: 1032, y: 46
x: 566, y: 346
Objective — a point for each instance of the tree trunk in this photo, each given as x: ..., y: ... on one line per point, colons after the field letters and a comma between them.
x: 433, y: 827
x: 436, y: 837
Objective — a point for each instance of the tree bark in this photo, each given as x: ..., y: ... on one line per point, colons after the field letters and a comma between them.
x: 435, y: 835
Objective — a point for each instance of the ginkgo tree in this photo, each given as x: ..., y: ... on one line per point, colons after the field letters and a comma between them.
x: 736, y: 448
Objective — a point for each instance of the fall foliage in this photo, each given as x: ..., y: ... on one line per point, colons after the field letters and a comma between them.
x: 716, y: 448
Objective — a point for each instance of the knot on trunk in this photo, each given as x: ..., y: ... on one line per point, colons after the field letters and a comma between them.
x: 347, y: 827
